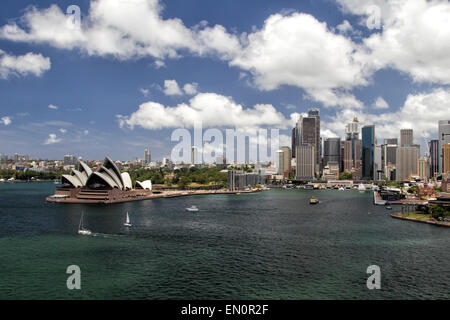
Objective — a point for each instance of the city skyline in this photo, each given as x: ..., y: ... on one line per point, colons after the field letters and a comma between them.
x: 73, y: 97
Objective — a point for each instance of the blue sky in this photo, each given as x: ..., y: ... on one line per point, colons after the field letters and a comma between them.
x: 93, y: 88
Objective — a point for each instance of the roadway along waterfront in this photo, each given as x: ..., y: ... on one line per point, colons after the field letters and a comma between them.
x: 264, y: 245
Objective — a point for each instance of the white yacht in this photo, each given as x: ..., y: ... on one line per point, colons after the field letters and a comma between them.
x: 192, y: 209
x: 127, y: 222
x: 82, y: 230
x: 361, y: 187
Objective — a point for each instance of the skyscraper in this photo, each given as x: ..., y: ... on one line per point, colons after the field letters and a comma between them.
x: 406, y: 137
x: 280, y: 162
x: 309, y: 137
x: 446, y: 158
x: 352, y: 150
x: 389, y: 158
x: 305, y: 162
x: 352, y: 130
x: 147, y: 156
x: 407, y: 162
x: 287, y: 157
x: 433, y: 147
x: 368, y: 149
x: 293, y: 141
x: 444, y: 138
x: 315, y: 113
x: 332, y: 151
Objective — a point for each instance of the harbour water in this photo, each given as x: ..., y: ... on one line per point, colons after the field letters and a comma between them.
x: 268, y: 245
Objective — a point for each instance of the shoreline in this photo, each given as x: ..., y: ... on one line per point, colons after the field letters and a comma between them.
x: 163, y: 194
x: 436, y: 223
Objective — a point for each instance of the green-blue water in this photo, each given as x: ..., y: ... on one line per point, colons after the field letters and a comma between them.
x: 269, y: 245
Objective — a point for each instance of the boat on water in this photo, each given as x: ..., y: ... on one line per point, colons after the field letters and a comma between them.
x: 361, y: 187
x: 81, y: 229
x: 192, y: 209
x: 388, y: 208
x: 127, y: 222
x: 341, y: 189
x: 313, y: 200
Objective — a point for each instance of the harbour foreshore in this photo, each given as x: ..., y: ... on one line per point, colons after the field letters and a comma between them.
x: 144, y: 196
x: 433, y: 222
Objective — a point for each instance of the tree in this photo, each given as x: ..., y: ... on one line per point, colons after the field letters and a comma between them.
x: 183, y: 182
x: 346, y: 175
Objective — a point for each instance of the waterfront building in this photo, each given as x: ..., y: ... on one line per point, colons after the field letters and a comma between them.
x: 406, y: 137
x: 368, y: 149
x: 444, y: 138
x: 446, y: 158
x: 147, y: 156
x: 407, y: 162
x: 280, y: 162
x: 424, y: 168
x: 331, y: 171
x: 305, y: 162
x: 287, y: 157
x: 433, y: 150
x: 332, y: 151
x: 239, y: 180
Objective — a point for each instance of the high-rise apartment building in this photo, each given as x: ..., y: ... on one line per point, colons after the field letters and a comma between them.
x: 147, y: 156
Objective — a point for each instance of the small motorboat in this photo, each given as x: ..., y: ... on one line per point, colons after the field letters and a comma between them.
x: 313, y: 201
x: 341, y: 189
x: 127, y: 222
x: 388, y: 208
x: 192, y: 209
x: 82, y: 230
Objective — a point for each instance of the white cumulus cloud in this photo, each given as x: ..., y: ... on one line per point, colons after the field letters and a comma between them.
x: 5, y: 121
x: 52, y: 139
x: 380, y: 103
x: 53, y: 107
x: 171, y: 88
x: 30, y: 63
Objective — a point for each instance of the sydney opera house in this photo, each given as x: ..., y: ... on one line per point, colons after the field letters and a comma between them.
x: 105, y: 185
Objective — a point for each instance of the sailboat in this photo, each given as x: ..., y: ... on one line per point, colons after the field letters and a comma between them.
x: 81, y: 229
x: 127, y: 223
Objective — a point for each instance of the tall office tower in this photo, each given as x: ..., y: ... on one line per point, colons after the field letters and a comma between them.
x: 378, y: 164
x: 305, y: 162
x: 433, y: 149
x: 406, y: 137
x: 280, y: 162
x: 389, y: 156
x: 194, y: 155
x: 341, y: 164
x: 352, y: 130
x: 332, y: 151
x: 309, y: 136
x: 444, y: 138
x: 407, y: 162
x: 424, y: 169
x: 293, y: 141
x: 315, y: 113
x: 147, y: 156
x: 391, y: 141
x: 368, y: 149
x: 446, y: 158
x: 287, y: 157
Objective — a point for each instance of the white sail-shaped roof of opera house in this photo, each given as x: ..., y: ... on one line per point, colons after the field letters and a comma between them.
x: 108, y: 176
